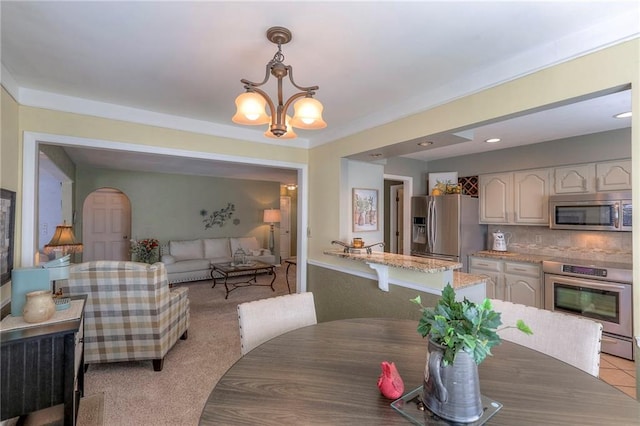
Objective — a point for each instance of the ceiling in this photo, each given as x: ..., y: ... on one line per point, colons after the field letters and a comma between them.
x: 179, y: 64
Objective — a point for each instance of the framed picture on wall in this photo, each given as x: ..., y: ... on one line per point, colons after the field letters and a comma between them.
x: 7, y: 223
x: 365, y: 210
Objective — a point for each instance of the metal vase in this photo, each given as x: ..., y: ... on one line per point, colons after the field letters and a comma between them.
x: 452, y: 392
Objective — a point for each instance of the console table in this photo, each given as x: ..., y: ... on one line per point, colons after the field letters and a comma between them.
x: 42, y: 365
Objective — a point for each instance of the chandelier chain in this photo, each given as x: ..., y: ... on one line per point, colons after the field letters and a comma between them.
x: 279, y: 56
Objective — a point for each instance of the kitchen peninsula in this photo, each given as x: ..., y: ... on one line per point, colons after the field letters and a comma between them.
x: 427, y: 274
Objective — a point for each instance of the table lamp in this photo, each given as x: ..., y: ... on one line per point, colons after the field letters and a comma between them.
x: 271, y: 216
x: 63, y: 240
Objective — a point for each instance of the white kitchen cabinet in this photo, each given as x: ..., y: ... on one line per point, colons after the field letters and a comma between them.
x: 496, y: 197
x: 516, y: 282
x: 613, y: 175
x: 593, y: 177
x: 523, y: 284
x: 576, y: 179
x: 515, y: 198
x: 491, y: 269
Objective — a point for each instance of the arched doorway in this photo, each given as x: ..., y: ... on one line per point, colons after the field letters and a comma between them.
x: 106, y: 225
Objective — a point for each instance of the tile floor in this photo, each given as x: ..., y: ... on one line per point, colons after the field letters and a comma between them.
x: 619, y: 372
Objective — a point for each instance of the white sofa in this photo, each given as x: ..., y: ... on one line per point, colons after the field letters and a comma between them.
x: 191, y: 260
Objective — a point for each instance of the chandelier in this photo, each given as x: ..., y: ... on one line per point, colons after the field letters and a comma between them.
x: 251, y: 104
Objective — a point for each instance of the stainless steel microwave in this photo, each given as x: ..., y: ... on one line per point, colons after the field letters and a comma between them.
x: 602, y: 211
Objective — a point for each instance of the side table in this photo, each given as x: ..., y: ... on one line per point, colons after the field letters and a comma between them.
x: 289, y: 261
x: 43, y: 365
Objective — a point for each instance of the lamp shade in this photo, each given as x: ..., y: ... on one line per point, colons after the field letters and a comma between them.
x: 271, y: 215
x: 250, y: 109
x: 63, y: 239
x: 308, y: 114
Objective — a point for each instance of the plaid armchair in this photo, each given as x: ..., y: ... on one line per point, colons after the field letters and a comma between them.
x: 131, y: 314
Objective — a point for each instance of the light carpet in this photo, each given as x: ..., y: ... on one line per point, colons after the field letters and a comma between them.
x: 134, y: 394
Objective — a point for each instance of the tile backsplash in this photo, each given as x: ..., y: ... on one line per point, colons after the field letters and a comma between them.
x: 596, y: 245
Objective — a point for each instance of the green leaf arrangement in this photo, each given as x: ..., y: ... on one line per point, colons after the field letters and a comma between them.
x: 462, y: 325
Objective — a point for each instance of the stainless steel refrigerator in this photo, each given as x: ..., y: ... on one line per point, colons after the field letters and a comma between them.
x: 446, y: 227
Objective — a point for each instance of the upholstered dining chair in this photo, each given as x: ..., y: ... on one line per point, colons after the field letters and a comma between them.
x: 574, y: 340
x: 264, y: 319
x: 131, y: 313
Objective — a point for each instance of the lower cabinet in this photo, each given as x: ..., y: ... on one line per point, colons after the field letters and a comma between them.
x: 517, y: 282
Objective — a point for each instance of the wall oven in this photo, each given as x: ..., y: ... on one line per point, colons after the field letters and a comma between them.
x: 601, y: 292
x: 603, y: 211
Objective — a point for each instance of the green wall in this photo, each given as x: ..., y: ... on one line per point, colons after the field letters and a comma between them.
x: 167, y: 206
x: 339, y: 295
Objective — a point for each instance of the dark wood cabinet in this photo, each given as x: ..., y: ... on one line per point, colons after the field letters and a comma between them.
x: 42, y: 366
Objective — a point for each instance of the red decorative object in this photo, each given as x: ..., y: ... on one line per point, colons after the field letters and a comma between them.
x: 390, y: 383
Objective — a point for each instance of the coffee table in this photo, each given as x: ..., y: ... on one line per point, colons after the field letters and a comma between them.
x: 227, y: 270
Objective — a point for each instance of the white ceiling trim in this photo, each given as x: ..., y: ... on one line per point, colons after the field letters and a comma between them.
x: 57, y: 102
x: 7, y: 81
x: 64, y: 140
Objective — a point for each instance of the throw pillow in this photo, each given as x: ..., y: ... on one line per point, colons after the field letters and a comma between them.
x: 216, y: 247
x: 186, y: 250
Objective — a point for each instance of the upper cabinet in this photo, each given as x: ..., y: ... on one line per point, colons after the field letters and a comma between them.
x: 593, y: 177
x: 574, y: 179
x: 613, y: 176
x: 496, y: 197
x: 518, y: 198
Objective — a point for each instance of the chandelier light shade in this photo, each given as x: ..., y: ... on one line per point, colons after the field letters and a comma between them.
x: 289, y: 135
x: 251, y: 105
x: 63, y: 239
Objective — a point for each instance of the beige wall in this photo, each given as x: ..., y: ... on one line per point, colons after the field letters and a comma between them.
x: 68, y: 124
x: 9, y: 166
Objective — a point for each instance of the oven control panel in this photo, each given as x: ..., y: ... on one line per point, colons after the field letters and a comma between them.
x: 584, y: 270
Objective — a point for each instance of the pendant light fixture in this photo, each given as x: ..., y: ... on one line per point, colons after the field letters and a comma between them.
x: 251, y: 104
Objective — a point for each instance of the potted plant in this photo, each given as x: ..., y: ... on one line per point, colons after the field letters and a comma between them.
x: 461, y: 335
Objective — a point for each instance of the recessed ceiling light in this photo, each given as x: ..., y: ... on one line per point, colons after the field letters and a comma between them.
x: 493, y: 140
x: 425, y: 143
x: 623, y: 115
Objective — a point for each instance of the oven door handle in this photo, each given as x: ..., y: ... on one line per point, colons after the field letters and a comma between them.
x: 588, y: 284
x: 616, y: 215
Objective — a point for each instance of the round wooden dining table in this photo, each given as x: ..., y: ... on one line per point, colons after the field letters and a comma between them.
x: 326, y: 374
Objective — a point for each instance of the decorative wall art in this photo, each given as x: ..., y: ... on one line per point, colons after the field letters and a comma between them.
x: 218, y: 217
x: 365, y: 210
x: 7, y: 221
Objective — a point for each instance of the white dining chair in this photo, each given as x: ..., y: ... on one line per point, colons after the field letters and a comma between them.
x: 572, y: 339
x: 264, y: 319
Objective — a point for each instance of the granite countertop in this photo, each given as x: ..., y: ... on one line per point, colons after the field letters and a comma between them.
x: 512, y: 256
x: 413, y: 263
x: 462, y: 280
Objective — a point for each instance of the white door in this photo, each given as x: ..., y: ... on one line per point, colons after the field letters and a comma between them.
x: 285, y: 227
x: 106, y: 229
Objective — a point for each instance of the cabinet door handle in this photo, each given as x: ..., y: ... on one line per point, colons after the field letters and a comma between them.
x: 519, y: 269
